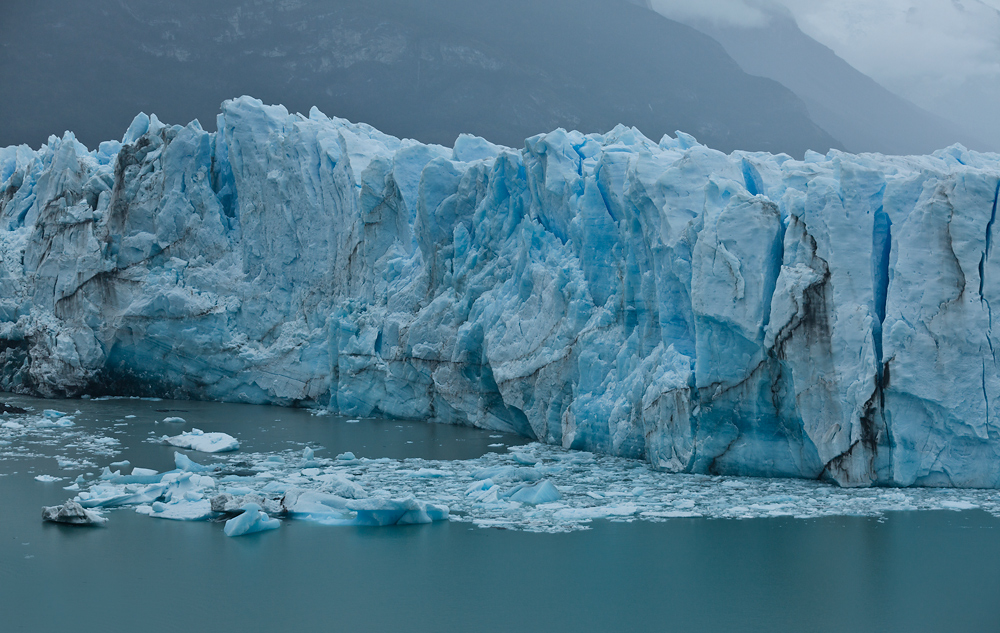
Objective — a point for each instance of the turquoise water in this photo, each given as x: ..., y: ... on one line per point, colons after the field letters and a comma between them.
x: 905, y: 571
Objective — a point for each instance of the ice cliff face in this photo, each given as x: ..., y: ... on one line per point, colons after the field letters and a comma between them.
x: 742, y: 314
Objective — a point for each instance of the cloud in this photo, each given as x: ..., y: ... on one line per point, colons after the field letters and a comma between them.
x: 727, y: 12
x: 902, y: 42
x: 943, y: 55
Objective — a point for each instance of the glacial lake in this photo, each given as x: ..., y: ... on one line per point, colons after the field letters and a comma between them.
x: 660, y: 568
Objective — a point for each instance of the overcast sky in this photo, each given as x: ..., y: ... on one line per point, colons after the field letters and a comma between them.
x: 941, y: 54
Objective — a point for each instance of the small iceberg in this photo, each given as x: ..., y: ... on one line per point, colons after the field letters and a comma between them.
x: 251, y: 520
x: 198, y: 440
x: 316, y: 506
x: 229, y: 503
x: 72, y: 513
x: 186, y: 464
x: 179, y: 510
x: 380, y: 511
x: 534, y: 494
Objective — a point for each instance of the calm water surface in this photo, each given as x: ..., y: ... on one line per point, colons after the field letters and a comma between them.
x: 912, y: 572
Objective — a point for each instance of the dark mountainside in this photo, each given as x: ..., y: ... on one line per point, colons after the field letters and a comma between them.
x: 848, y: 104
x: 426, y: 69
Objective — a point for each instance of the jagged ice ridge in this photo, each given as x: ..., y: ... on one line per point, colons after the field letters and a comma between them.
x: 742, y: 314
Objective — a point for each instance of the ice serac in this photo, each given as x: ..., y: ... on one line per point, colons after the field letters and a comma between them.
x: 742, y: 314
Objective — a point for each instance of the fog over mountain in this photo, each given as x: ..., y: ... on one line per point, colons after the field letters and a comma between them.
x: 424, y: 69
x: 848, y: 104
x: 942, y: 56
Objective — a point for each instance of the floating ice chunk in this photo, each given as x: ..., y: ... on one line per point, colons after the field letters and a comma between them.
x: 951, y: 505
x: 107, y: 496
x: 229, y: 503
x: 72, y: 513
x: 138, y: 476
x: 52, y: 414
x: 310, y: 504
x: 379, y: 511
x: 575, y: 457
x: 47, y: 478
x: 61, y: 422
x: 121, y: 464
x: 599, y: 512
x: 175, y: 420
x: 181, y: 482
x: 277, y: 487
x: 352, y: 421
x: 346, y: 457
x: 185, y: 463
x: 484, y: 491
x: 429, y: 473
x: 250, y: 521
x: 534, y: 494
x: 504, y: 473
x: 341, y: 486
x: 129, y: 417
x: 12, y: 425
x: 178, y: 510
x: 523, y: 459
x: 421, y: 512
x: 308, y: 453
x: 479, y: 486
x: 70, y: 464
x: 198, y: 440
x: 73, y: 487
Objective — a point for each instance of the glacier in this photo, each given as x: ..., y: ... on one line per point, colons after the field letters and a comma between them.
x: 744, y: 314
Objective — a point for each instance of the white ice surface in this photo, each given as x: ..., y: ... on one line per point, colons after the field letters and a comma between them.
x: 178, y: 510
x: 251, y: 520
x: 198, y: 440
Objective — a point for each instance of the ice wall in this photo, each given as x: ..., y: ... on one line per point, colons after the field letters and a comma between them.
x: 742, y: 314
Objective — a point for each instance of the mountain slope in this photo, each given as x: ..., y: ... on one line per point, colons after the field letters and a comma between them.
x: 851, y: 106
x: 428, y: 70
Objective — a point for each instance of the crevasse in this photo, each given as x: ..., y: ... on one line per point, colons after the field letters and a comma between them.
x: 745, y: 314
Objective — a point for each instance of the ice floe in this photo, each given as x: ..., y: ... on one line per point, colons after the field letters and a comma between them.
x: 251, y: 520
x: 198, y: 440
x: 73, y: 514
x: 561, y: 490
x: 535, y: 487
x: 178, y: 510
